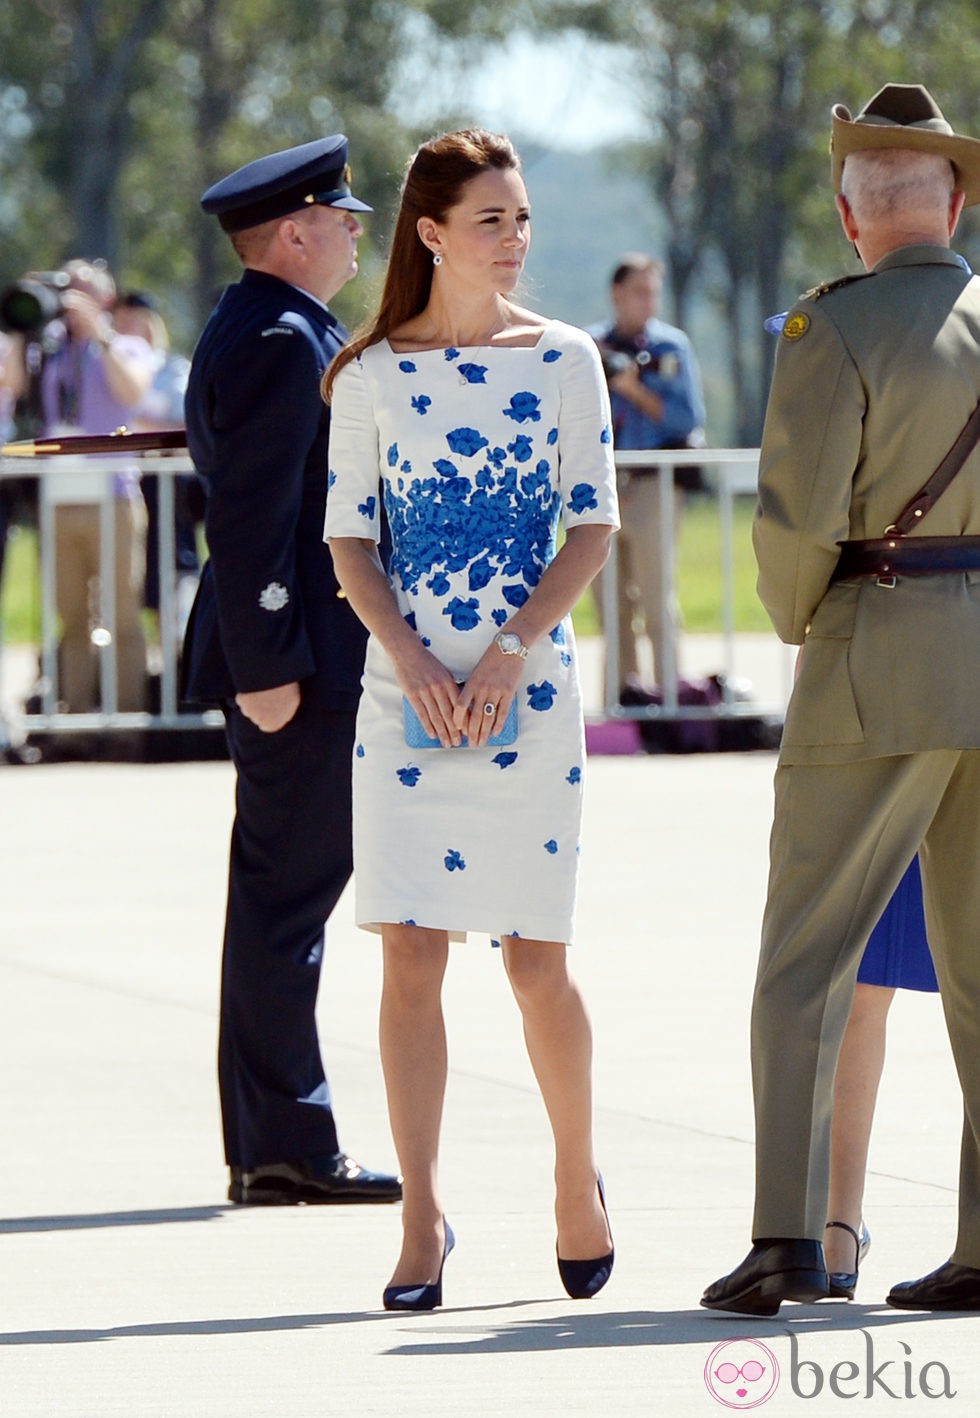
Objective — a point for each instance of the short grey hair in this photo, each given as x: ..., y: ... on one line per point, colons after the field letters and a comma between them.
x: 884, y: 182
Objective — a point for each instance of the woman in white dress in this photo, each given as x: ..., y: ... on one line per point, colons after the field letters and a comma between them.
x: 481, y: 425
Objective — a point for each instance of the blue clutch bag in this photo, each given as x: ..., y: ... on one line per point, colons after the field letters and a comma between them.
x: 416, y: 737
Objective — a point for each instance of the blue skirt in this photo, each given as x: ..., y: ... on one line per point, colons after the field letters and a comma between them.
x: 897, y: 953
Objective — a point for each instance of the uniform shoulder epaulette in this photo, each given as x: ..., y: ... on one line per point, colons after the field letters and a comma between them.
x: 826, y: 287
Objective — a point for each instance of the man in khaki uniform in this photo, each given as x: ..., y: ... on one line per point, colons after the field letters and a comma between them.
x: 875, y: 377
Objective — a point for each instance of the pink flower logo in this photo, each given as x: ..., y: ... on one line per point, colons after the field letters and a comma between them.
x: 741, y: 1373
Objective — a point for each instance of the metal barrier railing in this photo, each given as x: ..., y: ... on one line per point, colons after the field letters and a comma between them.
x: 166, y: 467
x: 736, y: 472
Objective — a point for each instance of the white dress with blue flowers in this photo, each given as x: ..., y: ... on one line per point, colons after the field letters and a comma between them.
x: 477, y: 453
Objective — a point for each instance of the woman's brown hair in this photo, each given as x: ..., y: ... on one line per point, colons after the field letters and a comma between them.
x: 433, y: 185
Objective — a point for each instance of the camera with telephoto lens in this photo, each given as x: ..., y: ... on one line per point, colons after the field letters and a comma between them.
x: 32, y: 302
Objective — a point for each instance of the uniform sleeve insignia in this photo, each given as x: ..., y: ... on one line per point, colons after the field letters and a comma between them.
x: 278, y: 330
x: 274, y: 598
x: 796, y: 326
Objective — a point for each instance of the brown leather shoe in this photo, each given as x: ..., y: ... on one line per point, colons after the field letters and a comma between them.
x: 951, y: 1287
x: 313, y: 1181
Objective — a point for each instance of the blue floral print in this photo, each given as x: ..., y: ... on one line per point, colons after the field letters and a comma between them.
x: 452, y: 353
x: 473, y: 373
x: 574, y: 776
x: 583, y: 498
x: 466, y: 441
x: 551, y: 846
x: 524, y: 407
x: 541, y: 696
x: 454, y: 860
x: 522, y: 448
x: 503, y: 759
x: 408, y: 777
x: 366, y: 509
x: 420, y: 403
x: 406, y: 366
x: 481, y: 573
x: 392, y: 455
x: 463, y: 615
x: 550, y: 356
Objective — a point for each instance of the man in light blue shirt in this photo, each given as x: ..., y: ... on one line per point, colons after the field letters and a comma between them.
x: 657, y: 402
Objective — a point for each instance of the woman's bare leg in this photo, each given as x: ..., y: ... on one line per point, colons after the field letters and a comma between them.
x: 859, y: 1067
x: 413, y: 1057
x: 559, y: 1045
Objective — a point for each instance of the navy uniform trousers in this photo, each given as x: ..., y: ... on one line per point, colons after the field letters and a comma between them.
x: 290, y: 861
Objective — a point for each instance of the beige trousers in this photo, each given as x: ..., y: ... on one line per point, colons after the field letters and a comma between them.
x: 842, y: 836
x: 643, y: 608
x: 79, y: 603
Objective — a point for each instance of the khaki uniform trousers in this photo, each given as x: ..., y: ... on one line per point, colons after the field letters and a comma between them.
x: 842, y: 836
x: 639, y: 592
x: 78, y: 601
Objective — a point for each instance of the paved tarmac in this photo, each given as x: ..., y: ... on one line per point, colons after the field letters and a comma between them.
x: 131, y: 1288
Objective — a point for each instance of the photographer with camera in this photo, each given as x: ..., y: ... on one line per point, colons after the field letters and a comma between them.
x: 12, y: 379
x: 655, y: 387
x: 86, y: 378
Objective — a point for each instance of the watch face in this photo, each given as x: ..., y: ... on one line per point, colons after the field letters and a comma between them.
x: 509, y: 642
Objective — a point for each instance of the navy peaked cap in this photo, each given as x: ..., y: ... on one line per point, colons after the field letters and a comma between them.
x: 312, y: 174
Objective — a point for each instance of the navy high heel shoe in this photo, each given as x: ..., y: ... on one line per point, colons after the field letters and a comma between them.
x: 420, y: 1297
x: 583, y: 1279
x: 843, y: 1283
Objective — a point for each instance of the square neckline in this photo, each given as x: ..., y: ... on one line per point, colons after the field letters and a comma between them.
x: 441, y: 349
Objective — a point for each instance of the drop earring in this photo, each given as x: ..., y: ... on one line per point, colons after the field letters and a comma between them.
x: 437, y: 259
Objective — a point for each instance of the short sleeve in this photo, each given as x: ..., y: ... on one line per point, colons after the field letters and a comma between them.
x: 586, y: 467
x: 354, y: 469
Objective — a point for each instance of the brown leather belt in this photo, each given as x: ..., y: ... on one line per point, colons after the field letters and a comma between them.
x: 888, y: 557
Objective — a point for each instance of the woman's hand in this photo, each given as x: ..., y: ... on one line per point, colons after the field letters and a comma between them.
x: 493, y: 682
x: 425, y: 682
x: 432, y: 693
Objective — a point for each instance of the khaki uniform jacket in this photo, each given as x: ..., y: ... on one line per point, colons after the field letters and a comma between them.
x: 874, y: 380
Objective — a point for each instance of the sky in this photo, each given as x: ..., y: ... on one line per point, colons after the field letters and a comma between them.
x: 566, y: 92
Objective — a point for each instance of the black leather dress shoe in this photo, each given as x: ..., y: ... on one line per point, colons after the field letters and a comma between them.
x: 774, y: 1270
x: 951, y: 1287
x: 312, y: 1181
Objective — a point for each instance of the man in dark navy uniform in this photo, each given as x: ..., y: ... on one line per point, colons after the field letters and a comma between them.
x: 272, y: 639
